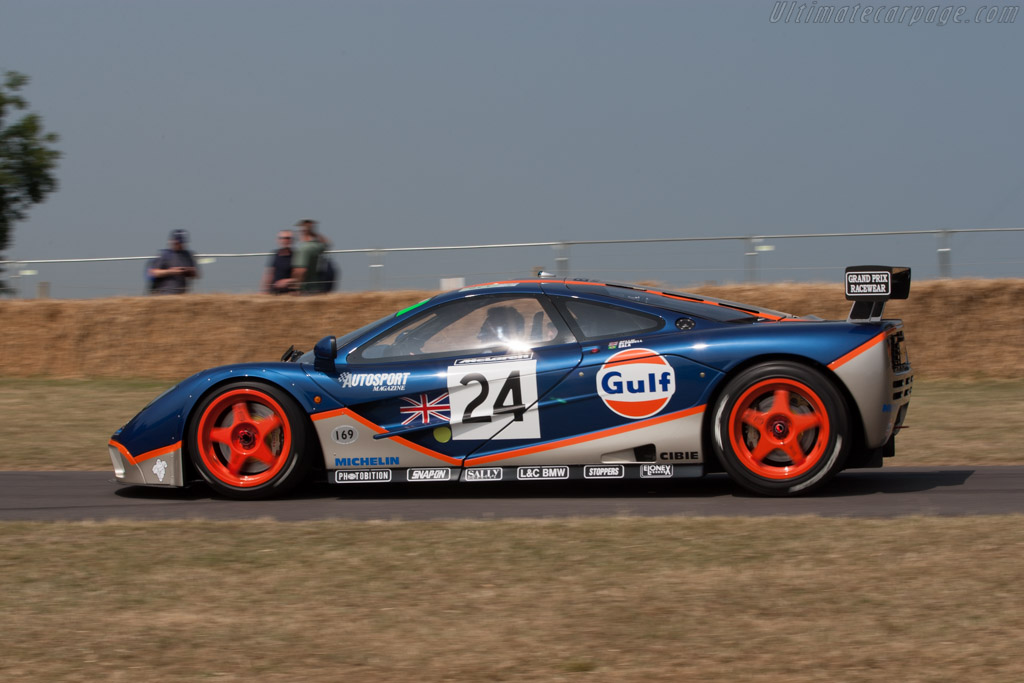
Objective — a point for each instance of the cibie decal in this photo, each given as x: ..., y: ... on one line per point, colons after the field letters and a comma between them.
x: 425, y: 409
x: 636, y: 383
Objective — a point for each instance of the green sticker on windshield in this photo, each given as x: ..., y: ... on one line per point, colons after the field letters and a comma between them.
x: 406, y: 310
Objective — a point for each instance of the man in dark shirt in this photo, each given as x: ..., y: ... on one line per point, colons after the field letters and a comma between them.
x: 277, y: 276
x: 173, y: 268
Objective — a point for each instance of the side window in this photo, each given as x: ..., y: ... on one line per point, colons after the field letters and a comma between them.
x: 603, y: 320
x: 497, y: 324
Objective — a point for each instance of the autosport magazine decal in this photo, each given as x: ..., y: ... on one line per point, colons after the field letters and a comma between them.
x: 636, y: 383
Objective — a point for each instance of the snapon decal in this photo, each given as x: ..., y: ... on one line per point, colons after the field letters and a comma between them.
x: 636, y: 383
x: 428, y: 474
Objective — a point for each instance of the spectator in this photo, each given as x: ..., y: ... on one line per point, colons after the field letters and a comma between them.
x: 173, y: 268
x: 277, y: 276
x: 306, y: 258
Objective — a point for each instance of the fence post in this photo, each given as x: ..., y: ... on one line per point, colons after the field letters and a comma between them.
x: 376, y: 270
x: 945, y: 255
x: 750, y: 260
x: 562, y: 260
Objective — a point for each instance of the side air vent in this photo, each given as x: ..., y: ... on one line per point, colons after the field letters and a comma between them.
x: 646, y: 453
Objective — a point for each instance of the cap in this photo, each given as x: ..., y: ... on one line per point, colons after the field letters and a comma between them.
x: 179, y: 236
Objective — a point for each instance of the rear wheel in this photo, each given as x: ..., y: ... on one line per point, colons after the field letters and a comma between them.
x: 248, y: 440
x: 780, y: 429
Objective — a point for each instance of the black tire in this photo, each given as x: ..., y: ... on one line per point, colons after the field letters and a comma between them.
x: 248, y: 440
x: 781, y: 429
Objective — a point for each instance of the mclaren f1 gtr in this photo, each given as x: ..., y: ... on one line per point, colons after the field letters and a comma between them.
x: 546, y: 379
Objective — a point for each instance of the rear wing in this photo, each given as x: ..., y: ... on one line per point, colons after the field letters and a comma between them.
x: 869, y: 287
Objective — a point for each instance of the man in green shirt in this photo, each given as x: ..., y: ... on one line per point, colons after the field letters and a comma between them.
x: 306, y: 258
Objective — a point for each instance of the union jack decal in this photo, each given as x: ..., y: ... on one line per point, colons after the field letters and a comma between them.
x: 425, y: 409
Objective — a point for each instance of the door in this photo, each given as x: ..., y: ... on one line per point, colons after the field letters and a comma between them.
x: 457, y: 377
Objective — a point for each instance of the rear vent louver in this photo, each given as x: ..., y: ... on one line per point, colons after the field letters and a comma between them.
x: 646, y: 453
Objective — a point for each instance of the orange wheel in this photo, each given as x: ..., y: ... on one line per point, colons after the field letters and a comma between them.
x: 780, y: 429
x: 247, y: 440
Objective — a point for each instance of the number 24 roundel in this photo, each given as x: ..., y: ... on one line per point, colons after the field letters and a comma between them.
x: 491, y: 400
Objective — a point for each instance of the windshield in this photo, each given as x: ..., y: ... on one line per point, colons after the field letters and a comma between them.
x: 350, y: 337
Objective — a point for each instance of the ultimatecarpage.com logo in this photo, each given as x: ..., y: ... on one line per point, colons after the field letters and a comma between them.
x: 796, y: 12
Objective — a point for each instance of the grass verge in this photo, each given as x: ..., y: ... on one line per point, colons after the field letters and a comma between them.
x: 620, y: 599
x: 65, y: 424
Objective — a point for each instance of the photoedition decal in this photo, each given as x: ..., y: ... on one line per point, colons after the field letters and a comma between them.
x: 636, y: 383
x: 361, y: 476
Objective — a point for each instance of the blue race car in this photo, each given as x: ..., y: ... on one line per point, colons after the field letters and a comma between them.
x: 546, y: 380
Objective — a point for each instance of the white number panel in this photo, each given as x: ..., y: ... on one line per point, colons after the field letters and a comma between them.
x: 491, y: 400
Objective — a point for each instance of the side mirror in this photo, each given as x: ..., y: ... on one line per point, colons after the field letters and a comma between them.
x: 325, y: 353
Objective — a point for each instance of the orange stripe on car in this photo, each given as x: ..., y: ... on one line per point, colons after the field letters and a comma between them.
x: 749, y: 311
x: 843, y: 360
x: 515, y: 453
x: 329, y: 413
x: 583, y: 438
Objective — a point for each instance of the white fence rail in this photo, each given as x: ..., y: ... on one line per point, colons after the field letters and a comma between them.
x: 674, y: 261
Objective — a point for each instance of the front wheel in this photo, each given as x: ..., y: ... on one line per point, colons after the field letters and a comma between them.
x: 780, y: 429
x: 248, y: 440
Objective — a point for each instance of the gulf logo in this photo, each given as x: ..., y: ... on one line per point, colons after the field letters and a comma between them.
x: 636, y: 383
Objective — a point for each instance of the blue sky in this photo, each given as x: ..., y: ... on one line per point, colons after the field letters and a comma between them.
x: 441, y: 122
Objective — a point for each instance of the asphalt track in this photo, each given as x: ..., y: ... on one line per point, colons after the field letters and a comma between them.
x: 888, y: 492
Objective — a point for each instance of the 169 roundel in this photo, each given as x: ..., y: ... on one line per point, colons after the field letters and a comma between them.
x: 636, y: 383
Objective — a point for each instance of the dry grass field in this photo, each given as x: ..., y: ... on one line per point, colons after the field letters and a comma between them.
x: 955, y: 328
x: 796, y: 599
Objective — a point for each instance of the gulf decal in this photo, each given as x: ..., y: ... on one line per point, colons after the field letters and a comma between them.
x: 636, y: 383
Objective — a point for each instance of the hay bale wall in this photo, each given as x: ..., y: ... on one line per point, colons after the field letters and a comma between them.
x: 955, y: 328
